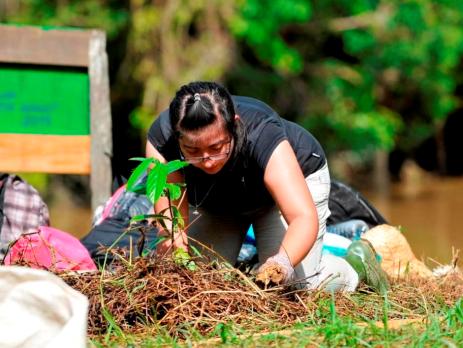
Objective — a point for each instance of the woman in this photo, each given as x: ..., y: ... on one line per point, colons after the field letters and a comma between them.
x: 248, y: 166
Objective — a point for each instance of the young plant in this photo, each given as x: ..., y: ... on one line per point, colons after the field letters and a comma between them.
x: 156, y: 186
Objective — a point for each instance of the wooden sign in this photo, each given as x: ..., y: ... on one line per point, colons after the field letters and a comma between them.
x: 55, y: 114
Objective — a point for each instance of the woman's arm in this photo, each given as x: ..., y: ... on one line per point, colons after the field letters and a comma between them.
x: 163, y: 203
x: 285, y: 181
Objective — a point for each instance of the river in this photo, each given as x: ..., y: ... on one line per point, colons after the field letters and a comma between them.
x: 427, y: 208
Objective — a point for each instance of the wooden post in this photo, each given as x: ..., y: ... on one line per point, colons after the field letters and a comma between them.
x: 100, y: 121
x: 81, y: 152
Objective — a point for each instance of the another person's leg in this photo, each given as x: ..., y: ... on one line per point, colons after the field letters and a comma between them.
x: 222, y: 233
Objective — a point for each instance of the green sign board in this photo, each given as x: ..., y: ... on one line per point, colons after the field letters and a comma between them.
x: 44, y: 101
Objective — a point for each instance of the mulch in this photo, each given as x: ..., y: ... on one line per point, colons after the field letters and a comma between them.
x: 159, y: 294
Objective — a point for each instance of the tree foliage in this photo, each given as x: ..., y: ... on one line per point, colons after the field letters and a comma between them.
x: 259, y: 23
x: 360, y: 74
x: 172, y: 42
x: 377, y: 71
x: 106, y: 15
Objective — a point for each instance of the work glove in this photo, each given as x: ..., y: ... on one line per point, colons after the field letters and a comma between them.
x: 277, y: 270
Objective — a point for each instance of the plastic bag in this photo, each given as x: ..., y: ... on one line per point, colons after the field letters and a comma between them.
x: 38, y: 309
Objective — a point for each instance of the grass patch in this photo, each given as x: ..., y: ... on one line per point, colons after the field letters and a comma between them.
x: 157, y: 302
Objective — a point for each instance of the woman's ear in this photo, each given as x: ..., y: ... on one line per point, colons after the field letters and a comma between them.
x: 237, y: 117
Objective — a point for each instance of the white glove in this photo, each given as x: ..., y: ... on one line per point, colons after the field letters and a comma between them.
x: 276, y: 270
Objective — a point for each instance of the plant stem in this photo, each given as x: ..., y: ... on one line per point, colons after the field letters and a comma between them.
x: 174, y: 224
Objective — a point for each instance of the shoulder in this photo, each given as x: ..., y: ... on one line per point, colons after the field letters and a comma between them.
x: 255, y: 115
x: 161, y: 136
x: 245, y: 105
x: 161, y: 127
x: 162, y: 120
x: 263, y: 126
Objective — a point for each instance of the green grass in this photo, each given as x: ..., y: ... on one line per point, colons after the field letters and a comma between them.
x: 326, y: 328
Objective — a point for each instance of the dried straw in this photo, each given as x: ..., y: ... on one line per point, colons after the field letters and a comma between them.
x: 156, y: 292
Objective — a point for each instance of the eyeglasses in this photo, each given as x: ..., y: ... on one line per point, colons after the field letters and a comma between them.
x: 215, y: 157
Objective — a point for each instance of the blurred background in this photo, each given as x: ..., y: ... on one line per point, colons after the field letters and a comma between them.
x: 378, y: 82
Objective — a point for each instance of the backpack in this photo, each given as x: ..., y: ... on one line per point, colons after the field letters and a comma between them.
x: 22, y: 210
x: 111, y: 226
x: 346, y: 203
x: 51, y: 249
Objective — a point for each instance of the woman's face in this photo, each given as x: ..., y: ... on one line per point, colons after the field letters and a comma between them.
x: 208, y: 148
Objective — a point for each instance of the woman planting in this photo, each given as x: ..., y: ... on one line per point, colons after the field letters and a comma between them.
x: 248, y: 166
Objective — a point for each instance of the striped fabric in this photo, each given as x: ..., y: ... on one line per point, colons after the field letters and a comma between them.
x: 22, y: 210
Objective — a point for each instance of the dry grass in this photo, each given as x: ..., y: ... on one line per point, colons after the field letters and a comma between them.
x: 158, y: 293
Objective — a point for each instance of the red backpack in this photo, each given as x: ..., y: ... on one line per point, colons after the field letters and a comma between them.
x: 25, y: 235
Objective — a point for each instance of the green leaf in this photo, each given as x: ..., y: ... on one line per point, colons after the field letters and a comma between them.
x: 225, y: 332
x: 174, y: 191
x: 149, y: 216
x: 141, y: 159
x: 177, y: 218
x: 175, y: 165
x: 195, y: 251
x: 137, y: 218
x: 139, y: 189
x: 157, y: 179
x: 191, y: 265
x: 112, y: 323
x: 182, y: 258
x: 153, y: 244
x: 138, y: 172
x: 162, y: 222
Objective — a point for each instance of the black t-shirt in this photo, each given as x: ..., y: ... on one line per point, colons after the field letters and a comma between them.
x: 239, y: 187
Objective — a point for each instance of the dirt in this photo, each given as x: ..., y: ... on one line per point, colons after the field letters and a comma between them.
x: 271, y: 275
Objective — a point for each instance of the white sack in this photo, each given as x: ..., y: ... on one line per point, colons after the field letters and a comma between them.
x: 38, y: 309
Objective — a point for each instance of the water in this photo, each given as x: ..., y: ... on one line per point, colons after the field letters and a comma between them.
x: 68, y: 216
x: 428, y: 210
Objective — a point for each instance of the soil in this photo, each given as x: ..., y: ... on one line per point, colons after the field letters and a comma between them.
x: 271, y: 275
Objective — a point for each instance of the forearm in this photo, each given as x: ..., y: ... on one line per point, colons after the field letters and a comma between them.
x: 299, y: 238
x: 285, y: 180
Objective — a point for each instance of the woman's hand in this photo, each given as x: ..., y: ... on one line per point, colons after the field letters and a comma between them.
x: 167, y: 246
x: 276, y: 270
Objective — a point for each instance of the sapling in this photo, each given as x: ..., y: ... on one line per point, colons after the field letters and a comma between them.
x: 156, y: 186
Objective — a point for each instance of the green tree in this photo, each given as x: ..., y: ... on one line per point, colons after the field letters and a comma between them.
x: 360, y: 74
x: 172, y: 42
x: 370, y: 74
x: 110, y: 16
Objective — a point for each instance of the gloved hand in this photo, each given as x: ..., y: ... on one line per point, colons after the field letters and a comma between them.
x: 276, y: 270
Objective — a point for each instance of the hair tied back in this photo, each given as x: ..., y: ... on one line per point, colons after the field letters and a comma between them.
x: 197, y: 97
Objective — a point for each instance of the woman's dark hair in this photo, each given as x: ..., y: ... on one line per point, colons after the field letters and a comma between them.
x: 199, y: 104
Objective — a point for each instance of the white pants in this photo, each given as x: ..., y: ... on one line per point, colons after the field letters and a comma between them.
x: 225, y: 235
